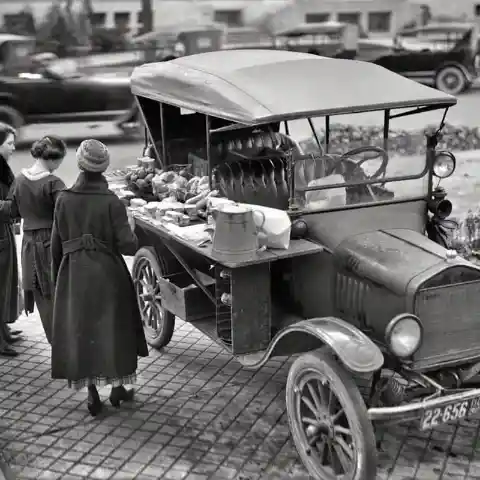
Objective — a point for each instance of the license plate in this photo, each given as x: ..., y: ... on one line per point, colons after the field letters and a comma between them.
x: 433, y: 417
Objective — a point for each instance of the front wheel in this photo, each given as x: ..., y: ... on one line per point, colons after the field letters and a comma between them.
x: 451, y: 80
x: 158, y: 323
x: 329, y: 420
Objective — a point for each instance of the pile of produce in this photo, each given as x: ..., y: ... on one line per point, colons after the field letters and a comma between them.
x: 174, y: 196
x: 139, y: 178
x: 403, y: 142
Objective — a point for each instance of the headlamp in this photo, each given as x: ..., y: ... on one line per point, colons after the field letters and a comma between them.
x: 404, y: 335
x: 444, y: 164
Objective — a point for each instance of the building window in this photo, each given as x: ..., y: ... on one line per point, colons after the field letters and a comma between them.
x: 98, y: 19
x: 379, y: 22
x: 122, y: 19
x: 317, y: 17
x: 232, y: 18
x: 352, y: 18
x: 477, y: 10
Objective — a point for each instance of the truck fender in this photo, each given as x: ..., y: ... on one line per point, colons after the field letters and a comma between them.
x: 353, y: 348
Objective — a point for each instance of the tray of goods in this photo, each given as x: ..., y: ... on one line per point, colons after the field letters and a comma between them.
x: 178, y: 201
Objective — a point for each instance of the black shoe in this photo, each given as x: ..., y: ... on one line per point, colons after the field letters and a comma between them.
x: 120, y: 394
x: 12, y: 339
x: 7, y: 351
x: 94, y: 404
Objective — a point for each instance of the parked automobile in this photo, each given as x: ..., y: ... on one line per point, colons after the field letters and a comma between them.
x: 51, y: 92
x: 329, y: 39
x: 13, y: 48
x: 190, y: 39
x: 443, y: 55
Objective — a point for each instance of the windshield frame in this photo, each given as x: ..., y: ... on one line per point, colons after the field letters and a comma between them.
x: 296, y: 209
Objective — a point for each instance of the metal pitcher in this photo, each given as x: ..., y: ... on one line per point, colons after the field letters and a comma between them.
x: 235, y: 234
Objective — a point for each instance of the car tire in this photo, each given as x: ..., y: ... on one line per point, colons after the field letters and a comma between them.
x: 451, y: 80
x: 316, y: 385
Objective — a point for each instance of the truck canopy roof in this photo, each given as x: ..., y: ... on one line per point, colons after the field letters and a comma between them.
x: 261, y: 86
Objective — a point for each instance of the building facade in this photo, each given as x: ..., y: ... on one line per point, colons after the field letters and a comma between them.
x: 376, y: 17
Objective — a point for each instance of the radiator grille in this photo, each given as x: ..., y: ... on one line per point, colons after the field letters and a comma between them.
x: 451, y: 319
x: 350, y: 296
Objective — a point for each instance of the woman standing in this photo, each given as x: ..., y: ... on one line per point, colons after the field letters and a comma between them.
x: 8, y: 250
x: 97, y: 328
x: 33, y: 198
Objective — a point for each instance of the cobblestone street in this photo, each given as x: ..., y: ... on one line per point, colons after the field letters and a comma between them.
x: 197, y: 415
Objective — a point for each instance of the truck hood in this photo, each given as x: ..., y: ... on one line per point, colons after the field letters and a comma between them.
x: 391, y: 258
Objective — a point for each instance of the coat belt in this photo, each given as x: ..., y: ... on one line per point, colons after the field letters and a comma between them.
x: 85, y: 242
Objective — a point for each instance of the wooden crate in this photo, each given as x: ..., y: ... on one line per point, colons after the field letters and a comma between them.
x: 186, y: 300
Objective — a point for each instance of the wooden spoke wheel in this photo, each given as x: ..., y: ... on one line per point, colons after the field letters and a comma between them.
x: 329, y: 421
x: 158, y: 323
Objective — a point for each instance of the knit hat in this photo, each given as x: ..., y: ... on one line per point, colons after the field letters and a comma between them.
x: 93, y: 156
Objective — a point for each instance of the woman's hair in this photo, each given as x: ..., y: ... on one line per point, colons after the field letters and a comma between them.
x: 49, y: 148
x: 5, y: 131
x: 6, y: 174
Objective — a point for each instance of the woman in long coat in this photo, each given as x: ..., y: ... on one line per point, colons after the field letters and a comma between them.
x: 9, y: 308
x: 33, y: 198
x: 97, y: 327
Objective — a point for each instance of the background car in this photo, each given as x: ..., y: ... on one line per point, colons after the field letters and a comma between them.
x: 53, y: 92
x: 443, y: 55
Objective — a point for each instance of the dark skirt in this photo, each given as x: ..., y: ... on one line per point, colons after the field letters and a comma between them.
x: 36, y: 261
x: 36, y: 277
x: 9, y: 304
x: 45, y: 309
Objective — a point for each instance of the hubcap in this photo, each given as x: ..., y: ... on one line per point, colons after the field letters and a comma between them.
x: 328, y: 439
x: 148, y: 296
x: 451, y: 80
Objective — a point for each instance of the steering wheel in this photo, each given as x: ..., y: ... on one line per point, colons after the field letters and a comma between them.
x: 378, y: 152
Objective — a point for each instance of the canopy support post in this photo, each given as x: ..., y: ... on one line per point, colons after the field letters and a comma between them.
x: 327, y: 133
x: 162, y: 132
x: 207, y: 136
x: 386, y: 128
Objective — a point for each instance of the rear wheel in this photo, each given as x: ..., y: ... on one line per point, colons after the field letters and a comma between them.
x: 329, y: 420
x: 451, y: 80
x: 158, y: 323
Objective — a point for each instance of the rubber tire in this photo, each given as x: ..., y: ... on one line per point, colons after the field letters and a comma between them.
x: 163, y: 338
x: 463, y: 85
x: 327, y: 366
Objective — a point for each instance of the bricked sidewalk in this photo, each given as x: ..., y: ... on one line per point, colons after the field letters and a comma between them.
x: 198, y: 415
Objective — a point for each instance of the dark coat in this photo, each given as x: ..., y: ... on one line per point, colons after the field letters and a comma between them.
x: 9, y: 299
x: 34, y: 201
x: 97, y: 327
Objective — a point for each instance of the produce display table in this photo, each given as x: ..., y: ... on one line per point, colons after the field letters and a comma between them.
x: 296, y: 248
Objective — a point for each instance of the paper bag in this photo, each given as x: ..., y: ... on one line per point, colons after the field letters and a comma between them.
x: 274, y: 226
